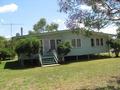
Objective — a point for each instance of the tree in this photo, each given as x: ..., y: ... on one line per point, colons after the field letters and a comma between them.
x: 115, y: 45
x: 2, y: 42
x: 5, y: 49
x: 31, y: 32
x: 40, y: 26
x: 63, y: 49
x: 51, y: 27
x: 92, y: 13
x: 118, y: 33
x: 29, y: 45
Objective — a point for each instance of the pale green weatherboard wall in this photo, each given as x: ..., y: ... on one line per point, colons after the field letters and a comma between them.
x: 85, y: 42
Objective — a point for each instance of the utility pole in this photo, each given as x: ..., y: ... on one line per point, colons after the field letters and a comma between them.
x: 11, y: 27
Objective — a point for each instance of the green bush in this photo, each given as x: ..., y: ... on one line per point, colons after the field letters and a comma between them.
x: 27, y: 45
x: 6, y: 53
x: 63, y: 49
x: 115, y: 45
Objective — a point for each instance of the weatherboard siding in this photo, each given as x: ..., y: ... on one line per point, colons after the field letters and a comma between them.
x: 85, y: 48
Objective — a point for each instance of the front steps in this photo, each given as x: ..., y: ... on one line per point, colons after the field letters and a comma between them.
x: 49, y: 59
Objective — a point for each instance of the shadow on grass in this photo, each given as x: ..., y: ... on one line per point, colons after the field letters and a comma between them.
x: 84, y: 58
x: 113, y: 84
x: 15, y: 65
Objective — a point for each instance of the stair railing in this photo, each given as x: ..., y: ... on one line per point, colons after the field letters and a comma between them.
x: 55, y: 55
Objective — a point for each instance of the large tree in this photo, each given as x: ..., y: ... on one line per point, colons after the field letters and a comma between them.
x: 40, y: 25
x: 52, y: 27
x: 92, y: 13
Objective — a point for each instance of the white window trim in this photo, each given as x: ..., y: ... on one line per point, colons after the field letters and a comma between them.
x: 76, y: 43
x: 55, y: 43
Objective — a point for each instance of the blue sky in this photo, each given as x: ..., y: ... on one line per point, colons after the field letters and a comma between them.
x: 28, y: 12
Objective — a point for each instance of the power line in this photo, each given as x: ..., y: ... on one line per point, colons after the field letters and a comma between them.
x: 11, y: 26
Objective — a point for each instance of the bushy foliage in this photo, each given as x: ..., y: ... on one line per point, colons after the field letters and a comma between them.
x: 6, y: 53
x: 42, y: 26
x: 6, y: 50
x: 115, y: 45
x: 63, y: 49
x: 27, y: 45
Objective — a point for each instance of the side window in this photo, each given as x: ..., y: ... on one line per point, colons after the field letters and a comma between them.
x: 78, y: 42
x: 92, y: 42
x: 101, y: 40
x: 97, y: 42
x: 73, y: 43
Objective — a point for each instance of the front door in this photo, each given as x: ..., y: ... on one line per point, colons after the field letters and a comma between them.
x: 52, y: 44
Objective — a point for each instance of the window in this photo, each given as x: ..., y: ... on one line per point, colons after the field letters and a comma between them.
x: 101, y: 41
x: 78, y: 42
x: 97, y: 42
x: 73, y: 43
x: 92, y: 42
x: 52, y: 44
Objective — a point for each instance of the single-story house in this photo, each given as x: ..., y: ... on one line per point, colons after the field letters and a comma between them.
x: 82, y: 43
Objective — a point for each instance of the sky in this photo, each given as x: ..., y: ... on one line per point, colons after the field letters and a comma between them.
x: 26, y: 13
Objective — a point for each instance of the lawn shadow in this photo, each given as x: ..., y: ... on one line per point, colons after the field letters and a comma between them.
x: 113, y: 84
x: 84, y: 58
x: 15, y: 65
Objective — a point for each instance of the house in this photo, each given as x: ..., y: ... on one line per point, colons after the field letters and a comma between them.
x: 82, y: 44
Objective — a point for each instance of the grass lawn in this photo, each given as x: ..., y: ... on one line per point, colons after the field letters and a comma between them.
x: 102, y: 74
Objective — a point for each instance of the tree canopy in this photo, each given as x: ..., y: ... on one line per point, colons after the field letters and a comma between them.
x: 95, y: 14
x: 27, y: 45
x: 42, y: 26
x: 118, y: 33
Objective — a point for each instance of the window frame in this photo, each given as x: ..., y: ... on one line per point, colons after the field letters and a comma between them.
x: 97, y: 42
x: 78, y: 44
x: 92, y: 42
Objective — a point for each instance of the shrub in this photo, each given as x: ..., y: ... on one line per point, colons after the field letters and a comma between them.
x: 6, y: 53
x: 115, y: 45
x: 63, y: 49
x: 27, y: 45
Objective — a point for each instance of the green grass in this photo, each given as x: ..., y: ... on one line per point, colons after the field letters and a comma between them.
x: 102, y: 74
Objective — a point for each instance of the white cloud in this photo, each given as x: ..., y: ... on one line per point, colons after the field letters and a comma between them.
x: 8, y: 8
x: 61, y: 23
